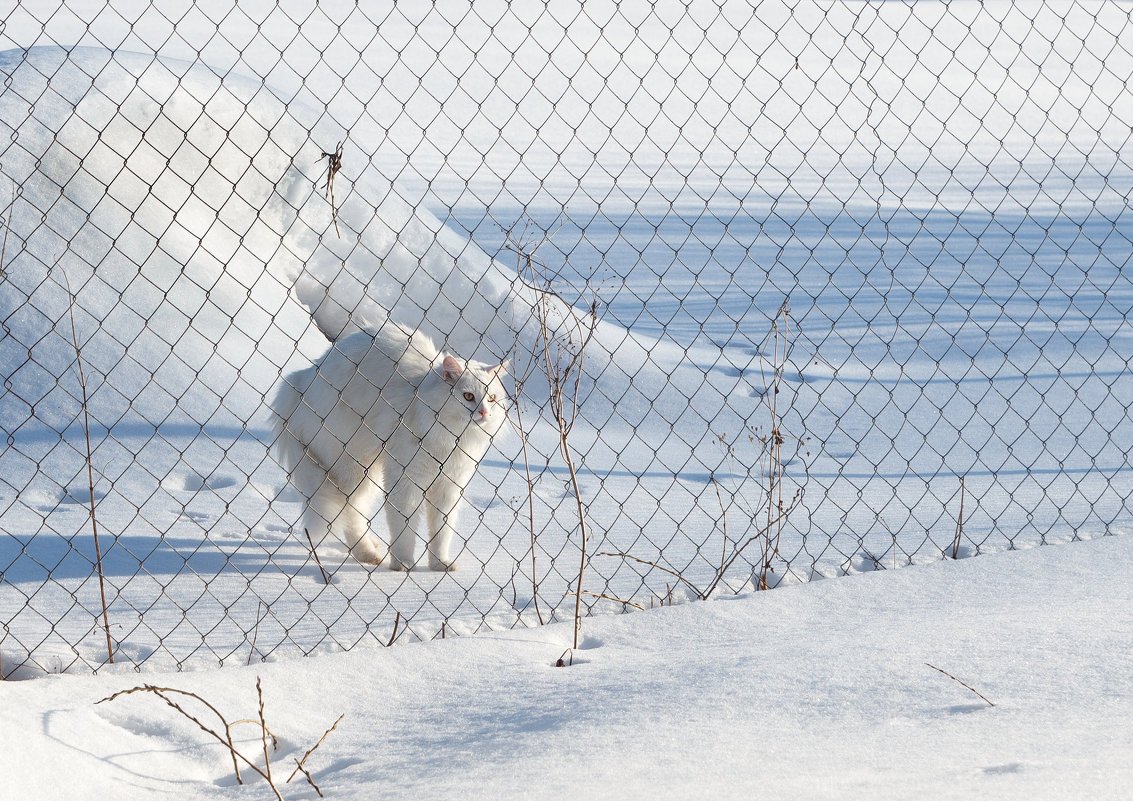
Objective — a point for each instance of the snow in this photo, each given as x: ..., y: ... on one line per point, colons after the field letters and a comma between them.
x: 907, y: 175
x: 939, y: 189
x: 946, y: 213
x: 813, y: 691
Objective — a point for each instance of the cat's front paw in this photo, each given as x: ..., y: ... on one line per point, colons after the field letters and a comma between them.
x: 441, y: 566
x: 365, y: 552
x: 400, y: 566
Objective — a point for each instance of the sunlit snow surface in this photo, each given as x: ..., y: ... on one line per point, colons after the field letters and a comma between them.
x: 986, y: 341
x: 819, y: 691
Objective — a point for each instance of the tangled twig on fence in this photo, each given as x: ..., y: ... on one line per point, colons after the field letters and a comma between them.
x: 334, y: 164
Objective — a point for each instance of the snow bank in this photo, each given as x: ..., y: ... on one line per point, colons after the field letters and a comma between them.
x: 190, y: 216
x: 811, y: 692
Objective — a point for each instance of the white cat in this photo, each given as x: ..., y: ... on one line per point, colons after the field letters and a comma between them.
x: 386, y: 413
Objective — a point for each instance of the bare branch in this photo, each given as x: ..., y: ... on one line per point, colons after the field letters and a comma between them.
x: 255, y: 632
x: 299, y: 763
x: 606, y: 597
x: 314, y: 551
x: 164, y: 692
x: 563, y: 387
x: 264, y: 733
x: 674, y: 573
x: 959, y: 523
x: 962, y: 684
x: 299, y: 767
x: 90, y: 465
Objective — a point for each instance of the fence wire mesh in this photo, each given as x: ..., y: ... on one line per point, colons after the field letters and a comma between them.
x: 786, y: 291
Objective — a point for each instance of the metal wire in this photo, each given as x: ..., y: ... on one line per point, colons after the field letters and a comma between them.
x: 853, y: 276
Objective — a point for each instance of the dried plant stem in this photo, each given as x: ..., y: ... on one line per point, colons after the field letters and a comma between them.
x: 772, y: 477
x: 334, y: 164
x: 90, y: 468
x: 307, y: 775
x: 773, y: 529
x: 959, y: 523
x: 164, y: 692
x: 315, y: 553
x: 563, y: 371
x: 760, y: 535
x: 7, y: 227
x: 255, y: 632
x: 396, y: 623
x: 723, y: 524
x: 582, y: 538
x: 606, y: 597
x: 530, y: 496
x: 673, y: 573
x: 962, y: 684
x: 299, y: 763
x: 264, y: 734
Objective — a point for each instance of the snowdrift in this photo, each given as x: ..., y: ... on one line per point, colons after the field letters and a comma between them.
x: 189, y: 218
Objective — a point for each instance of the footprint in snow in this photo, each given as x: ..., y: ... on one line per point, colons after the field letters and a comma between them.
x: 196, y: 483
x: 81, y: 495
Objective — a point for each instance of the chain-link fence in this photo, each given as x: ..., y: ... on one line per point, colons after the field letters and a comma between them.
x: 785, y: 291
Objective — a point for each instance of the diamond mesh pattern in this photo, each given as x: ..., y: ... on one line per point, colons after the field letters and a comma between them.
x: 938, y: 193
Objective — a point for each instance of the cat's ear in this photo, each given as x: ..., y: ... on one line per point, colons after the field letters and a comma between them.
x: 451, y: 369
x: 500, y: 369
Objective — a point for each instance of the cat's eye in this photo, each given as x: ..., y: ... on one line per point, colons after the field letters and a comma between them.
x: 468, y: 396
x: 491, y: 399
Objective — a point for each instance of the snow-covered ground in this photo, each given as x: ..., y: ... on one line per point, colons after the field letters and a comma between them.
x: 808, y: 692
x: 939, y: 190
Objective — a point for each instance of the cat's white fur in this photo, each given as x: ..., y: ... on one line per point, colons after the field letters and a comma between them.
x: 386, y: 413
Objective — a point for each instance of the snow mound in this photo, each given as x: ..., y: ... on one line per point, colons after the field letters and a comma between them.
x: 185, y: 221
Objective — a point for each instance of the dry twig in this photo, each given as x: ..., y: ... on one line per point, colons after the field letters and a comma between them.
x: 962, y: 684
x: 307, y: 775
x: 334, y: 164
x: 90, y: 467
x: 723, y: 523
x: 606, y: 597
x: 959, y: 523
x: 225, y: 739
x: 164, y: 692
x: 396, y: 623
x: 264, y: 733
x: 518, y: 426
x: 299, y: 763
x: 563, y: 355
x: 314, y: 551
x: 255, y: 632
x: 674, y: 573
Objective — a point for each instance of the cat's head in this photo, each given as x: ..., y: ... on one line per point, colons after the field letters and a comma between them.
x: 478, y: 391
